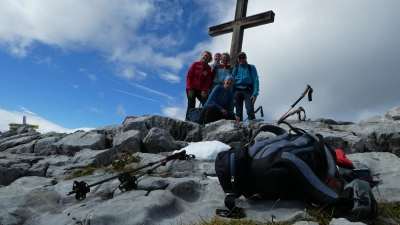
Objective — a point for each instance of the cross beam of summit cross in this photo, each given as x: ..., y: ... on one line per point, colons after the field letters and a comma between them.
x: 237, y: 27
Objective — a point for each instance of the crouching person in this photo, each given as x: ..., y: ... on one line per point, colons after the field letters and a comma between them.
x: 220, y: 103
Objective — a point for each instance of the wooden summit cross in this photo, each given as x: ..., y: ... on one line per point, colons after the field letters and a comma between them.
x: 237, y: 27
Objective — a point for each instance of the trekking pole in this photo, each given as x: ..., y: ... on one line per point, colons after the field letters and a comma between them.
x: 127, y: 182
x: 298, y: 111
x: 261, y: 112
x: 309, y: 90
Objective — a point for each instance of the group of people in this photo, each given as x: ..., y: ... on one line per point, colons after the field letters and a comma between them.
x: 220, y: 88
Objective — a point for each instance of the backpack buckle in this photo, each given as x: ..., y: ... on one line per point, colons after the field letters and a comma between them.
x: 233, y: 211
x: 236, y: 213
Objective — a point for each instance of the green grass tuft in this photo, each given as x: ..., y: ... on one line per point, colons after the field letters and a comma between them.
x: 388, y: 213
x: 216, y: 220
x: 124, y: 159
x: 86, y: 171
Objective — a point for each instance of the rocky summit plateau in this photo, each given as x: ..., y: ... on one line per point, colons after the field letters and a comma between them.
x: 37, y: 170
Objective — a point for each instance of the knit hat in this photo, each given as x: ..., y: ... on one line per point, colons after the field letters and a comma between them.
x: 217, y: 54
x: 230, y: 76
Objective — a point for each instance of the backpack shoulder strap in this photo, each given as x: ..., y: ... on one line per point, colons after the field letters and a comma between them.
x: 269, y: 128
x: 235, y: 160
x: 330, y: 157
x: 254, y: 147
x: 297, y: 130
x: 251, y: 74
x: 249, y: 68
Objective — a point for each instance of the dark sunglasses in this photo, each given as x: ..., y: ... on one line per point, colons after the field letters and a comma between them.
x: 241, y: 57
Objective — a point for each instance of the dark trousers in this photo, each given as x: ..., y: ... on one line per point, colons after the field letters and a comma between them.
x: 212, y: 113
x: 192, y: 101
x: 240, y: 96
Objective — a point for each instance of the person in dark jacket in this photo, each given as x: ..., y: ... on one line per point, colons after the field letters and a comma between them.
x: 246, y: 86
x: 220, y: 103
x: 198, y: 81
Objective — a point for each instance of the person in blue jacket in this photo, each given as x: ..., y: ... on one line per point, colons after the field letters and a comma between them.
x: 246, y: 86
x: 220, y: 103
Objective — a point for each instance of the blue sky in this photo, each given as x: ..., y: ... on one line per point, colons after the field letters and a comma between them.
x: 85, y: 64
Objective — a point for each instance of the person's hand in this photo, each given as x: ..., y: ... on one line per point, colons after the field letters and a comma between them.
x: 191, y: 94
x: 203, y: 94
x: 253, y: 99
x: 224, y: 112
x: 237, y: 118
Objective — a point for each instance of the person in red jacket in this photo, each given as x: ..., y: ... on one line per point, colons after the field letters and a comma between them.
x: 198, y: 81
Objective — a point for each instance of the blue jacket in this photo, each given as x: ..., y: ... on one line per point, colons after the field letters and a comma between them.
x: 220, y: 74
x: 243, y: 77
x: 221, y: 98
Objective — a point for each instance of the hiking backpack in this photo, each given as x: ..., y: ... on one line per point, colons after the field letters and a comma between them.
x: 271, y: 168
x: 194, y: 115
x: 291, y: 165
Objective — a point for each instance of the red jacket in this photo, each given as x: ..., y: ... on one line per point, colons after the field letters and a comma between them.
x: 198, y: 78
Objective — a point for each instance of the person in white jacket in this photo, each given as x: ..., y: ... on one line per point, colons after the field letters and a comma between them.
x: 222, y: 71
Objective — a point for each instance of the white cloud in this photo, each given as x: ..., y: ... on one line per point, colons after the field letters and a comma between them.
x: 121, y: 111
x: 111, y: 79
x: 47, y: 60
x: 69, y: 24
x: 111, y: 29
x: 130, y: 72
x: 96, y: 110
x: 127, y: 73
x: 82, y: 128
x: 171, y: 111
x: 172, y: 78
x: 141, y: 75
x: 151, y: 91
x: 128, y: 34
x: 177, y: 111
x: 137, y: 96
x: 92, y: 77
x: 27, y: 111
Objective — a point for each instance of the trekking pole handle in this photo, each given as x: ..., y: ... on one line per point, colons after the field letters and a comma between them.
x: 260, y: 107
x: 176, y: 155
x: 261, y: 112
x: 305, y: 91
x: 302, y: 95
x: 296, y: 111
x: 254, y: 112
x: 300, y: 109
